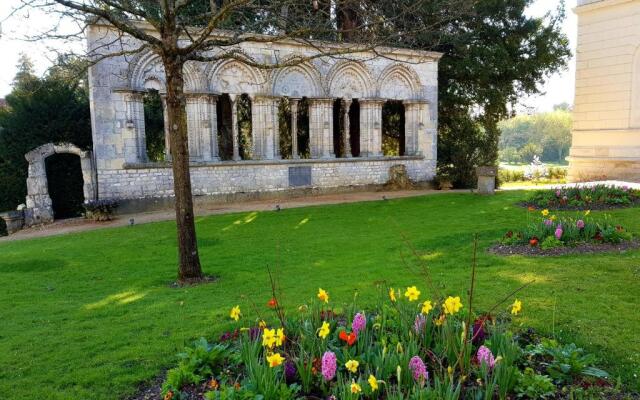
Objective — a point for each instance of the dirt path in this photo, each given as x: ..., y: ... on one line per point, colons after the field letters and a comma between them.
x: 81, y: 225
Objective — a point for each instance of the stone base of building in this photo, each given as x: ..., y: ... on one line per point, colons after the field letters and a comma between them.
x: 583, y: 169
x: 133, y: 206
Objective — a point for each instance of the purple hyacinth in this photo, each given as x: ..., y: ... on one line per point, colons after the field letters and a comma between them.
x: 359, y: 323
x: 418, y: 369
x: 328, y: 365
x: 419, y: 323
x: 580, y: 224
x: 479, y: 332
x: 290, y: 371
x: 485, y: 355
x: 548, y: 222
x: 559, y: 232
x: 558, y: 193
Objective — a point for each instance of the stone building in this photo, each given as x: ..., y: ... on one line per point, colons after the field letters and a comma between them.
x: 343, y: 99
x: 606, y: 127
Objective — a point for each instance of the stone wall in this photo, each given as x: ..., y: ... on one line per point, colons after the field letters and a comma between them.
x: 117, y: 84
x: 606, y: 127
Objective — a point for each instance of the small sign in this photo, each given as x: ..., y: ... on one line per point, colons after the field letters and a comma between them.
x: 299, y: 176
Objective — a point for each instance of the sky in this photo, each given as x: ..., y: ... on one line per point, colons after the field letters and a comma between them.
x: 559, y: 88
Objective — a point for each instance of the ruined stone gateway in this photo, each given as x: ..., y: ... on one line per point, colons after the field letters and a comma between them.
x: 343, y: 99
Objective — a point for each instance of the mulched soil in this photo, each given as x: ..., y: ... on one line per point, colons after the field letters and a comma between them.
x: 153, y: 391
x: 584, y: 248
x: 593, y: 207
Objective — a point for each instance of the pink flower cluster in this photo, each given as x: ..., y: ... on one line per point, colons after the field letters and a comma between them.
x: 580, y: 224
x: 359, y: 323
x: 328, y: 365
x: 485, y: 355
x: 419, y: 370
x: 559, y: 232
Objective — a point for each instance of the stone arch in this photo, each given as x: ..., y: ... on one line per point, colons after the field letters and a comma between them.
x: 634, y: 117
x: 350, y: 80
x: 297, y: 81
x: 235, y: 77
x: 147, y: 73
x: 39, y: 207
x: 399, y: 82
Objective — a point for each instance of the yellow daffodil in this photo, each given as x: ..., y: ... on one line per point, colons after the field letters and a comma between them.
x: 324, y: 330
x: 427, y: 307
x: 275, y: 359
x: 323, y: 295
x: 545, y: 212
x: 412, y: 293
x: 587, y: 212
x: 553, y: 218
x: 373, y: 382
x: 452, y: 305
x: 268, y: 337
x: 352, y: 366
x: 280, y: 337
x: 392, y: 295
x: 235, y: 313
x: 516, y: 307
x: 355, y: 388
x: 262, y: 324
x: 450, y: 370
x: 440, y: 320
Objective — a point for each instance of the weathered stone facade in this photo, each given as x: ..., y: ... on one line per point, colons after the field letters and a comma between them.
x: 606, y: 127
x: 124, y: 172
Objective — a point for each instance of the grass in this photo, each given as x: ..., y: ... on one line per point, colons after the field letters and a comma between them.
x: 91, y: 315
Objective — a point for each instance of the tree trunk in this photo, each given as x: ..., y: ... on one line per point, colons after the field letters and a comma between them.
x: 189, y: 269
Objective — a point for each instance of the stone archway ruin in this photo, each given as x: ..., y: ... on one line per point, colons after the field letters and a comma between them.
x: 39, y: 206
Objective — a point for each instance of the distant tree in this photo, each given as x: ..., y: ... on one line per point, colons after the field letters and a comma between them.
x: 555, y: 128
x: 529, y: 151
x: 39, y: 111
x: 563, y: 107
x: 25, y: 73
x: 510, y: 155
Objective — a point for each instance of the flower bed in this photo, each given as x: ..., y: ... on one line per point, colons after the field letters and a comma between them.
x: 408, y: 346
x: 552, y: 235
x: 595, y: 197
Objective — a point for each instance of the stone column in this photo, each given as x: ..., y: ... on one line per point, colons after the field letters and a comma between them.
x: 416, y: 115
x: 346, y: 138
x: 294, y: 128
x: 202, y: 126
x: 234, y: 127
x: 273, y: 127
x: 321, y: 127
x: 134, y: 139
x: 167, y: 140
x: 371, y: 127
x: 265, y: 125
x: 39, y: 206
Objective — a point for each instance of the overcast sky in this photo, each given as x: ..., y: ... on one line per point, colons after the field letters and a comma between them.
x: 558, y: 89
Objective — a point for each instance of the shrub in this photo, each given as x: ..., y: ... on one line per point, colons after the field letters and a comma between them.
x: 584, y: 197
x: 532, y: 385
x: 100, y: 210
x: 3, y: 227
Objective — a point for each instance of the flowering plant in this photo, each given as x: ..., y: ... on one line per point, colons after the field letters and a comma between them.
x: 583, y: 197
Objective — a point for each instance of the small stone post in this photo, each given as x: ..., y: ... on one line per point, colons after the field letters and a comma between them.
x: 487, y: 179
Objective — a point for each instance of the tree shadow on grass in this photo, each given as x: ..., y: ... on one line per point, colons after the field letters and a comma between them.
x: 32, y: 266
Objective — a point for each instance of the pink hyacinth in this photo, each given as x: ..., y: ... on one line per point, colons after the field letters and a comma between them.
x: 558, y: 193
x: 359, y: 323
x: 559, y: 232
x: 328, y: 365
x: 419, y: 323
x: 580, y: 224
x: 485, y: 355
x: 419, y: 370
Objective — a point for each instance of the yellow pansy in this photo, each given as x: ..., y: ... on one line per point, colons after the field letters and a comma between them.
x: 268, y: 337
x: 452, y: 305
x: 280, y: 337
x: 412, y: 293
x: 323, y: 295
x: 352, y: 366
x: 516, y: 307
x: 373, y: 382
x: 392, y: 295
x: 427, y: 307
x: 235, y: 313
x: 324, y: 330
x: 355, y: 388
x: 545, y: 212
x: 275, y: 359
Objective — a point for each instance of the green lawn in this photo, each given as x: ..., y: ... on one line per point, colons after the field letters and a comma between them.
x: 91, y: 315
